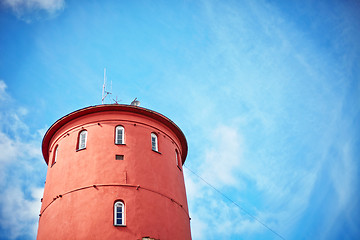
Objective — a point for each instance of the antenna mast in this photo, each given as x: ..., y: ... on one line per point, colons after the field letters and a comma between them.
x: 104, y: 92
x: 103, y: 89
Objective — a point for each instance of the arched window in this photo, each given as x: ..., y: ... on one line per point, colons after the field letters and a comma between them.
x: 154, y: 142
x: 119, y: 214
x: 82, y: 139
x: 119, y: 135
x: 55, y: 154
x: 177, y: 158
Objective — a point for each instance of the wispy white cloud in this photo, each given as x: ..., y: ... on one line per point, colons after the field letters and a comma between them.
x: 225, y: 158
x: 22, y: 8
x: 220, y: 166
x: 20, y: 158
x: 20, y: 213
x: 344, y: 182
x: 8, y: 148
x: 254, y: 70
x: 25, y: 5
x: 285, y: 183
x: 343, y: 175
x: 284, y: 190
x: 2, y: 90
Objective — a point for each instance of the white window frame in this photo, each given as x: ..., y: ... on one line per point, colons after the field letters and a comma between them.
x: 117, y: 140
x: 82, y: 140
x: 122, y: 205
x: 55, y: 154
x: 154, y: 139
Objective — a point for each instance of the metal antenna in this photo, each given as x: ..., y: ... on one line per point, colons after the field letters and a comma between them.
x: 116, y: 100
x: 104, y: 92
x: 103, y: 89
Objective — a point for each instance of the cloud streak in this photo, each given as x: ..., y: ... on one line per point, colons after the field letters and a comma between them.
x: 20, y: 160
x: 19, y: 213
x: 24, y: 9
x: 272, y: 149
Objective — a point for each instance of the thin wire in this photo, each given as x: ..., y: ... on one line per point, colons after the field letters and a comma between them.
x: 244, y: 210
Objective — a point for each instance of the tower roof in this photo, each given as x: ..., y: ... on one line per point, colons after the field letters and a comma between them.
x: 113, y: 107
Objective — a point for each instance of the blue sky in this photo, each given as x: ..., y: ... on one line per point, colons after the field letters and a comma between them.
x: 266, y: 92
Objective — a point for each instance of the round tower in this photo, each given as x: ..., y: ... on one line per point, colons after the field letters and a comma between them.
x: 114, y: 172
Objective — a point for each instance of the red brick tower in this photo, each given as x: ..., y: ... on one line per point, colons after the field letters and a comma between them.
x: 114, y: 172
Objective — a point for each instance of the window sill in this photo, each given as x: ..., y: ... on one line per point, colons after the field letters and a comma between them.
x: 80, y: 149
x: 120, y: 144
x: 122, y: 225
x: 156, y: 151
